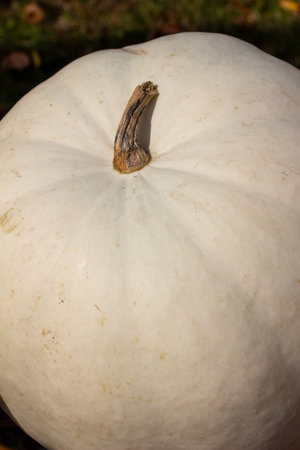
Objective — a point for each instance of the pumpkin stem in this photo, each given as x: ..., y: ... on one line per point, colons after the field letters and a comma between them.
x: 128, y: 154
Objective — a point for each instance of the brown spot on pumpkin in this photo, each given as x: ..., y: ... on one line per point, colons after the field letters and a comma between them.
x: 15, y: 172
x: 135, y: 51
x: 102, y: 321
x: 37, y: 301
x: 45, y: 332
x: 10, y: 220
x: 106, y: 388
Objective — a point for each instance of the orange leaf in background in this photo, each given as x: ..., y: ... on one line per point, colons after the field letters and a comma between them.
x: 33, y: 13
x: 290, y: 5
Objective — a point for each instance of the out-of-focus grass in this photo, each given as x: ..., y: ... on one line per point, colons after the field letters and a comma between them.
x: 51, y: 33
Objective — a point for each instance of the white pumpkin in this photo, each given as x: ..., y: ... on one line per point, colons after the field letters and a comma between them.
x: 156, y: 310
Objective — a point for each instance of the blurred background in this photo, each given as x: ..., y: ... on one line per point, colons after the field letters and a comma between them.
x: 37, y: 38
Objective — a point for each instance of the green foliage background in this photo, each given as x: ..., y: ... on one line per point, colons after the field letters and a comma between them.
x: 62, y: 30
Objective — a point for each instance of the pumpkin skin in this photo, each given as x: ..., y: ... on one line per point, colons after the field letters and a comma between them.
x: 158, y: 309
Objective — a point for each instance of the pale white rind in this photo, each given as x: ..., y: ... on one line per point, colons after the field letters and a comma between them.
x: 158, y: 310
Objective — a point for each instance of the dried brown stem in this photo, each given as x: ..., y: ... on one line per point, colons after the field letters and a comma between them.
x: 128, y: 154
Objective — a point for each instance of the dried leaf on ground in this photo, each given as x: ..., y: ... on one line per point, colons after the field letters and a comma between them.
x: 33, y: 13
x: 290, y: 5
x: 16, y: 61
